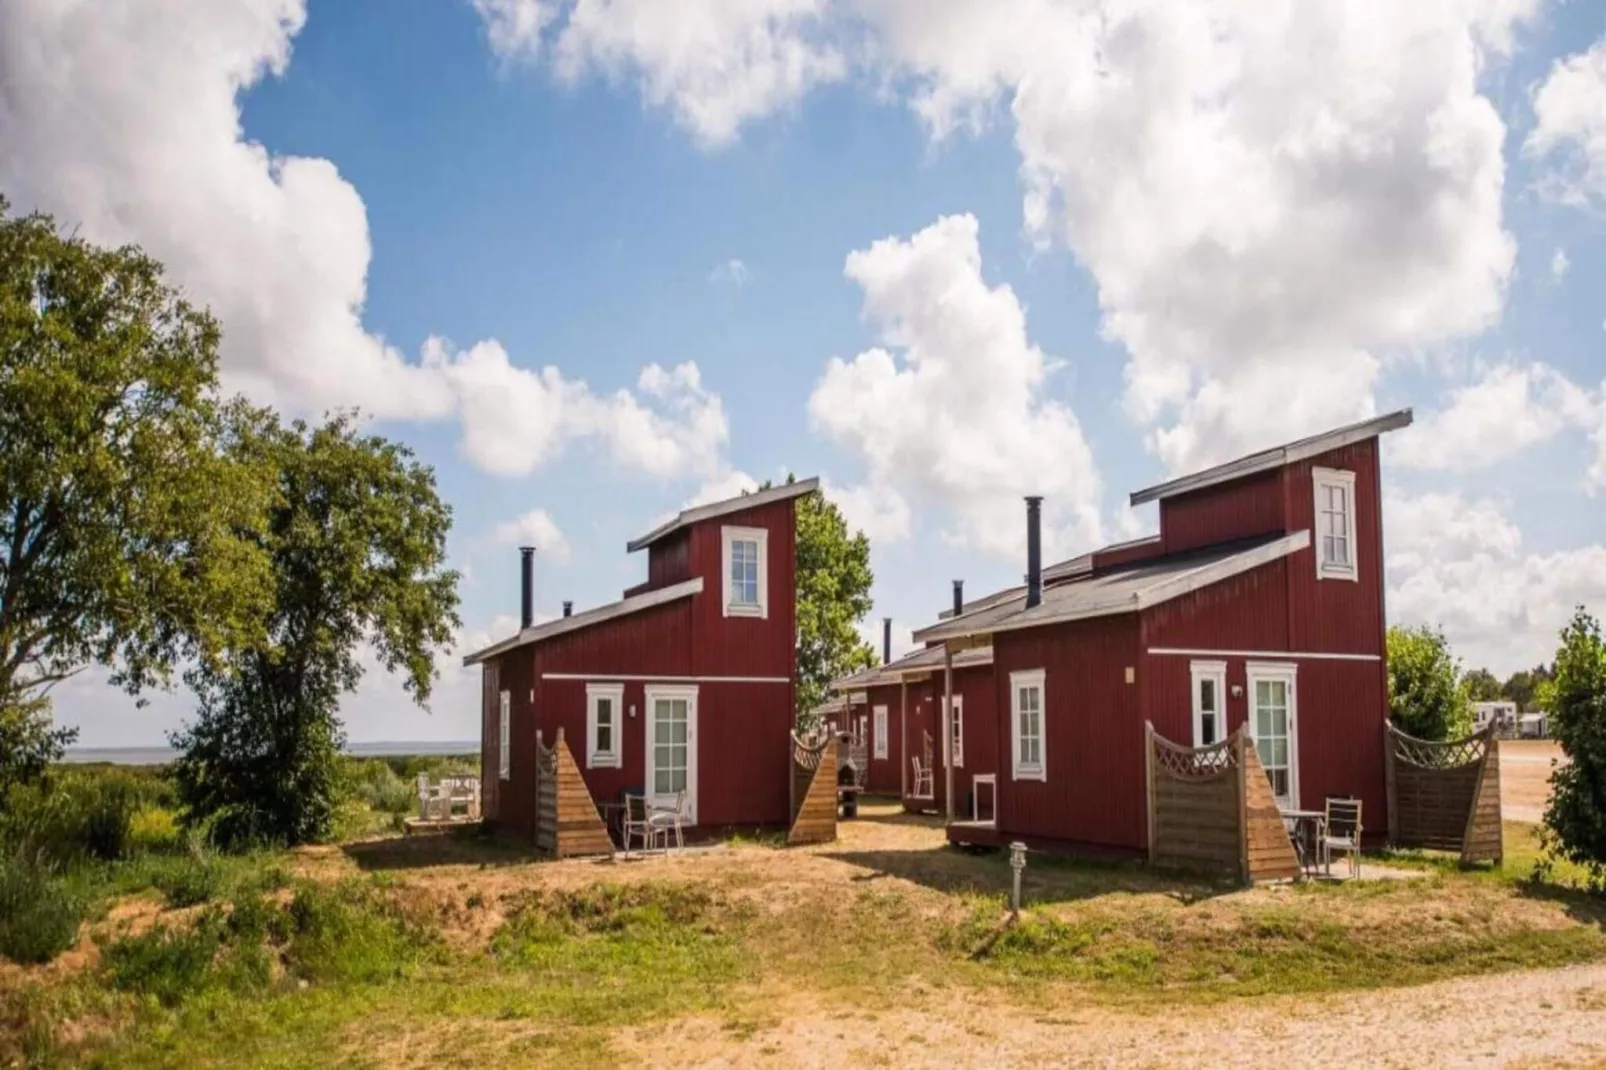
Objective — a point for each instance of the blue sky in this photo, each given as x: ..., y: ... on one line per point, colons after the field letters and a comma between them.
x: 1108, y: 253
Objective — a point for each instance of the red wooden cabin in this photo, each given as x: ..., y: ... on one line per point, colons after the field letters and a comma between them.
x: 1259, y: 602
x: 687, y: 683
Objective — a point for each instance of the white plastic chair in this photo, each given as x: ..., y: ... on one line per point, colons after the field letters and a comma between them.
x: 1341, y: 831
x: 635, y: 821
x: 923, y: 782
x: 662, y: 820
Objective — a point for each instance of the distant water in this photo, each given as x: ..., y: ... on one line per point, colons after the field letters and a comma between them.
x: 383, y: 749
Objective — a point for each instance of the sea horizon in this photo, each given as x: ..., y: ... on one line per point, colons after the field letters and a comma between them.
x: 160, y: 755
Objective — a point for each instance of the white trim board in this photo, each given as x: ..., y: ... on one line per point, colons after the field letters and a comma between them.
x: 604, y: 677
x: 1189, y: 652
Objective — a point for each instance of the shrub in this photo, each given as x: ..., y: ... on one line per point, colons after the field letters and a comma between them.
x: 39, y: 915
x: 1426, y: 695
x: 190, y: 880
x: 170, y: 964
x: 376, y: 785
x: 352, y: 932
x: 154, y: 829
x: 1575, y: 819
x: 71, y: 816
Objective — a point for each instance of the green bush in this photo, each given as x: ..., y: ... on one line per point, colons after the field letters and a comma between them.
x: 376, y: 785
x: 170, y: 964
x: 1575, y: 819
x: 190, y: 880
x: 39, y: 915
x: 1427, y: 698
x: 352, y: 932
x: 73, y: 815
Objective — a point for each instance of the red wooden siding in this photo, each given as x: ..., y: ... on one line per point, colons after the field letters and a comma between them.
x: 1245, y: 507
x: 1127, y: 553
x: 886, y: 774
x: 1095, y: 794
x: 1339, y: 616
x: 1248, y: 611
x: 743, y: 726
x: 491, y: 734
x: 980, y: 728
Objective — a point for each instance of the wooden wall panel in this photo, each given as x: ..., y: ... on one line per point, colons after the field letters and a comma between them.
x: 1249, y: 506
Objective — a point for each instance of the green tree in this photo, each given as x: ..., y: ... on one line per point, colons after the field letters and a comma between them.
x: 1426, y: 695
x: 833, y: 596
x: 1575, y: 818
x: 122, y: 515
x: 357, y: 542
x: 1481, y: 686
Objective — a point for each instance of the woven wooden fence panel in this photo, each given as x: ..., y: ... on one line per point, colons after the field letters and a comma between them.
x: 813, y: 791
x: 567, y: 822
x: 1211, y: 809
x: 1445, y: 796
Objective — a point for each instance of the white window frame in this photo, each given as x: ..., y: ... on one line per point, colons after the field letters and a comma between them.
x: 729, y: 536
x: 1288, y: 672
x: 595, y: 757
x: 1198, y: 672
x: 1021, y: 770
x: 957, y: 748
x: 504, y: 734
x: 1323, y: 479
x: 879, y: 724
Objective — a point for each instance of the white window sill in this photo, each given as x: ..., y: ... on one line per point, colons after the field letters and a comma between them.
x: 744, y: 611
x: 1030, y: 774
x: 603, y: 761
x: 1330, y: 572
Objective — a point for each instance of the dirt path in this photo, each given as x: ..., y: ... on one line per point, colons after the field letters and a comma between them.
x: 1550, y: 1018
x: 1525, y: 767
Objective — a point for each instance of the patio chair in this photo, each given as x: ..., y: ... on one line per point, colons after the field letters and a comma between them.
x: 922, y: 786
x: 634, y: 821
x: 661, y: 820
x: 1341, y: 831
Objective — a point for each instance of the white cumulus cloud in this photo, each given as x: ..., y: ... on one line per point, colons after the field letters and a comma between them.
x: 1570, y: 132
x: 953, y: 408
x: 1507, y: 410
x: 535, y: 528
x: 880, y: 512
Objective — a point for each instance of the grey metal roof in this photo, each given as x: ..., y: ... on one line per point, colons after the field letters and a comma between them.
x: 926, y: 659
x: 729, y: 505
x: 1121, y: 590
x: 1275, y: 457
x: 624, y: 607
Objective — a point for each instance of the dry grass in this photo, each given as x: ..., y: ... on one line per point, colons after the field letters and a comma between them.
x: 861, y: 950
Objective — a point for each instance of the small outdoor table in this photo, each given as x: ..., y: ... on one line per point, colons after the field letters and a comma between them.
x: 1306, y: 834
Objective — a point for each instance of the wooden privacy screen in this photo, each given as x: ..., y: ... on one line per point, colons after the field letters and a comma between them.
x: 566, y: 819
x: 1211, y: 808
x: 813, y: 791
x: 1445, y: 796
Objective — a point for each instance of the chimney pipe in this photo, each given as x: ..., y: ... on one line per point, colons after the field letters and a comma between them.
x: 526, y: 586
x: 959, y: 598
x: 1034, y: 550
x: 568, y: 608
x: 886, y: 640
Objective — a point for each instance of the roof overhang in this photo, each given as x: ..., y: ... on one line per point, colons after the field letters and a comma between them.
x: 611, y: 611
x: 1162, y: 590
x: 741, y: 502
x: 1275, y: 457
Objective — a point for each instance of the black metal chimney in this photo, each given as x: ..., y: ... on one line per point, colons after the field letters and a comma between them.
x: 959, y: 598
x: 1034, y: 550
x: 526, y: 586
x: 886, y: 640
x: 568, y: 608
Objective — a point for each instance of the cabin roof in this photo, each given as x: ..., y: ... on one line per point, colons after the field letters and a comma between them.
x: 737, y: 504
x: 622, y: 608
x: 1275, y: 457
x: 1121, y: 590
x: 914, y: 663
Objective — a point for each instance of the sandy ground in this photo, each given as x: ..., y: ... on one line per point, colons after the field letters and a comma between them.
x: 1552, y: 1018
x: 1525, y: 766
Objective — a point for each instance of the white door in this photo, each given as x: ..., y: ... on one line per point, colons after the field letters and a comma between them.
x: 1273, y: 721
x: 671, y: 748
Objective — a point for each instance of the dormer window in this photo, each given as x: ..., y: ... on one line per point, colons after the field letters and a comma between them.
x: 746, y: 572
x: 1335, y: 524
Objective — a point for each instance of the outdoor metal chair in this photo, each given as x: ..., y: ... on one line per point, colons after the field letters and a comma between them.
x: 662, y: 820
x: 923, y: 783
x: 634, y: 822
x: 1341, y: 831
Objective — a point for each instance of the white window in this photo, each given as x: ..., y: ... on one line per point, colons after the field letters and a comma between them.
x: 746, y: 572
x: 880, y: 731
x: 959, y: 732
x: 1274, y: 723
x: 1026, y: 724
x: 604, y: 739
x: 1209, y: 702
x: 504, y: 734
x: 1335, y: 524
